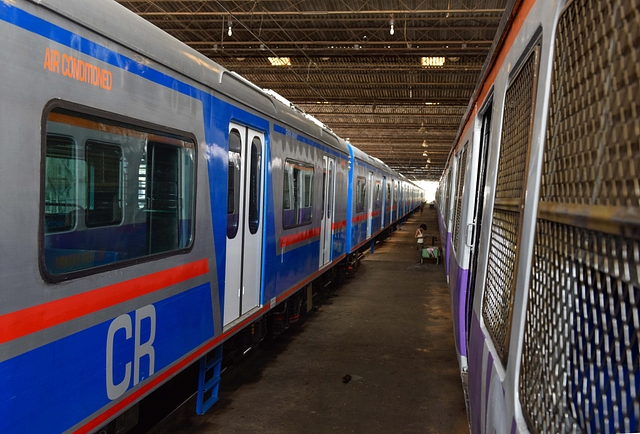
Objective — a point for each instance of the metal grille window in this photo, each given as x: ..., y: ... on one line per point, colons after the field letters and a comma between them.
x: 447, y: 191
x: 497, y: 304
x: 462, y: 168
x: 581, y: 361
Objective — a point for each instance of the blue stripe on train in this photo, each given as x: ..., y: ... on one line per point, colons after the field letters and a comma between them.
x: 74, y: 369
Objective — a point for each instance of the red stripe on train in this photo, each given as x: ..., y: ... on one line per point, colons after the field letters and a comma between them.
x: 17, y: 324
x: 299, y: 237
x: 359, y: 218
x: 339, y: 225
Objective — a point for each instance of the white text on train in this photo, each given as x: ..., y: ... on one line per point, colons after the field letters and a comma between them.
x: 123, y: 322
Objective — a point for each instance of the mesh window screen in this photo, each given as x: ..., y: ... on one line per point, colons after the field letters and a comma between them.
x: 497, y: 304
x: 580, y: 361
x: 447, y: 192
x: 462, y: 168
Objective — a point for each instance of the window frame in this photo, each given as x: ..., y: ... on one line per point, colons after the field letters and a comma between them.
x: 83, y: 112
x: 89, y: 212
x: 377, y: 195
x: 233, y: 218
x: 361, y: 184
x: 293, y: 187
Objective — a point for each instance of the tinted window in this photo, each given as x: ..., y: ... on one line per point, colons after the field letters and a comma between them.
x: 297, y: 194
x: 104, y: 184
x: 361, y: 194
x: 113, y: 192
x: 254, y: 185
x: 233, y: 188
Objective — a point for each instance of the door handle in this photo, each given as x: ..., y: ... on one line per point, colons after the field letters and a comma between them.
x: 470, y: 230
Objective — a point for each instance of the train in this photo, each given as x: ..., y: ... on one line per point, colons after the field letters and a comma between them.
x: 539, y: 216
x: 155, y: 207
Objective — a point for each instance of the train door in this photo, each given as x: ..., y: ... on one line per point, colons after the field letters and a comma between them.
x: 384, y: 202
x: 392, y: 198
x: 370, y: 205
x: 328, y: 197
x: 244, y: 225
x: 477, y: 211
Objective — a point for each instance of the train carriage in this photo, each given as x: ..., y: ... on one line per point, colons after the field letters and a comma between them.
x: 157, y: 205
x: 539, y: 206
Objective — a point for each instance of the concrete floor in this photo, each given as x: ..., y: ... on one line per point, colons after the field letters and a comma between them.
x: 389, y: 328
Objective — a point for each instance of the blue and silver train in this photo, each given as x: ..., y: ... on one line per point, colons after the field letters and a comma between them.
x: 539, y: 211
x: 154, y: 205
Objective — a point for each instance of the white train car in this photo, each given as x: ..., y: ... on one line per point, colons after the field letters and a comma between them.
x: 540, y: 209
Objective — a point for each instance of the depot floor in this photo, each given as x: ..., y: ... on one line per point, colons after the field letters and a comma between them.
x: 389, y: 328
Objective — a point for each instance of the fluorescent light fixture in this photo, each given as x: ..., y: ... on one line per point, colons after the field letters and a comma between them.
x: 280, y: 61
x: 431, y: 62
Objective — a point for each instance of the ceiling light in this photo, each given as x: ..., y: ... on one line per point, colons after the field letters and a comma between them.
x: 431, y: 62
x: 280, y: 61
x: 229, y: 24
x: 424, y: 144
x: 428, y: 160
x: 392, y: 23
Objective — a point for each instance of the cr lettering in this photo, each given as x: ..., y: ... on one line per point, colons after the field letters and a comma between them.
x: 123, y: 328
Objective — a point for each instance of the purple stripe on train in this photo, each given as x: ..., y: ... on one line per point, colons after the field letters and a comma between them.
x: 459, y: 281
x: 475, y: 373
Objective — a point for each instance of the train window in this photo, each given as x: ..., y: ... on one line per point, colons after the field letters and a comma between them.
x: 582, y: 323
x: 388, y: 195
x: 113, y: 192
x: 510, y: 188
x: 297, y: 209
x: 254, y: 185
x: 395, y: 196
x: 458, y: 221
x: 378, y: 199
x: 60, y: 184
x: 361, y: 193
x: 104, y: 184
x: 286, y: 195
x: 233, y: 188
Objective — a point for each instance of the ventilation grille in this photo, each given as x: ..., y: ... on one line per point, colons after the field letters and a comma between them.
x: 447, y: 200
x: 580, y: 360
x: 593, y: 151
x: 514, y: 148
x: 462, y: 168
x: 580, y: 367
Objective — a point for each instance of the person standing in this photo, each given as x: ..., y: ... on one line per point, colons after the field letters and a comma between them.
x: 420, y: 234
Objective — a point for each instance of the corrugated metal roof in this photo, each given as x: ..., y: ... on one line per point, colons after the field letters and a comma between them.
x: 347, y: 69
